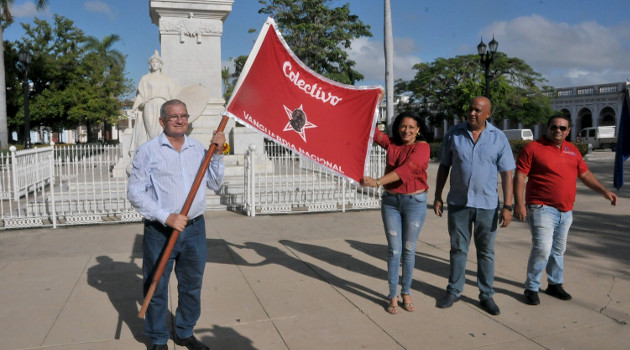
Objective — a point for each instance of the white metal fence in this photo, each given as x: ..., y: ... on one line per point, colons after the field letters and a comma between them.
x: 287, y: 183
x: 73, y: 185
x: 62, y: 185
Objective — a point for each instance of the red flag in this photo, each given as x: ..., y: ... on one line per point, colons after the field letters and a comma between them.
x: 325, y: 121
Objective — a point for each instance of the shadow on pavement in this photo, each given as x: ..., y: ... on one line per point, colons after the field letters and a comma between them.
x: 611, y: 232
x: 436, y: 266
x: 122, y: 282
x: 274, y: 255
x: 224, y: 338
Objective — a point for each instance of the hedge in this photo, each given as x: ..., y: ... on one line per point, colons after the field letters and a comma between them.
x: 516, y: 147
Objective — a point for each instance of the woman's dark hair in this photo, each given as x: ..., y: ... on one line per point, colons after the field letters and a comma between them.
x: 424, y: 135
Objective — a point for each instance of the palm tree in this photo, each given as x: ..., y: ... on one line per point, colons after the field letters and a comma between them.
x: 6, y: 19
x: 110, y: 59
x: 225, y: 77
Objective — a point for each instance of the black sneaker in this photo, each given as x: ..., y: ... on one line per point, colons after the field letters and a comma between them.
x: 556, y: 290
x: 531, y: 297
x: 447, y: 301
x: 191, y: 343
x: 490, y: 306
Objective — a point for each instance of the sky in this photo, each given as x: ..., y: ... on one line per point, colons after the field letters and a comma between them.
x: 570, y: 42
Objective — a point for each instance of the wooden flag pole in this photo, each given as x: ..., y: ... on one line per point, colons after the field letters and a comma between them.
x: 173, y: 238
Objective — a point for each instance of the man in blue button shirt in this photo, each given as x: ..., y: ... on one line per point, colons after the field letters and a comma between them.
x: 476, y: 151
x: 163, y: 172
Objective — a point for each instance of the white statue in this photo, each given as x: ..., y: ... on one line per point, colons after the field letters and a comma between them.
x: 154, y: 89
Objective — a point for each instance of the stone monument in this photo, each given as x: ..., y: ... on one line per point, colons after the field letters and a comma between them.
x: 190, y: 45
x: 154, y: 89
x: 190, y: 40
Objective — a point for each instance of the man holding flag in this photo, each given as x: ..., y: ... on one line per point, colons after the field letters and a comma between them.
x: 163, y: 173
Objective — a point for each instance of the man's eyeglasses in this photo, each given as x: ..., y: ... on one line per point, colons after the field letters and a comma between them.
x: 556, y: 127
x: 174, y: 117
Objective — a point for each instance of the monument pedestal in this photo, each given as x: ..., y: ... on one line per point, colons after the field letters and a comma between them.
x: 208, y: 121
x: 241, y: 137
x: 124, y: 163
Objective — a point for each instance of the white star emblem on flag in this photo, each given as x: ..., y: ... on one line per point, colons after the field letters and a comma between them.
x: 296, y: 123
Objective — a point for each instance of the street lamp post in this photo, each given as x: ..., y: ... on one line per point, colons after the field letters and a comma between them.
x: 25, y: 58
x: 486, y: 57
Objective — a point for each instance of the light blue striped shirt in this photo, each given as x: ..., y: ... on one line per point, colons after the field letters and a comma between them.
x: 161, y: 178
x: 474, y: 166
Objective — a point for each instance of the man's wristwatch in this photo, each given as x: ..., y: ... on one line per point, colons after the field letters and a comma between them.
x: 378, y: 183
x: 508, y: 207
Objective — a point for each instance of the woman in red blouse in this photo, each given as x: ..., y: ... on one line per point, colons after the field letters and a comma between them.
x: 404, y: 200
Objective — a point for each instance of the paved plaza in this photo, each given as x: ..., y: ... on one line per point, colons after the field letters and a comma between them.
x: 318, y: 281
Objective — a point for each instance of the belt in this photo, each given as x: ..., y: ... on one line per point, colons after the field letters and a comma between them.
x: 193, y: 220
x: 190, y: 222
x: 403, y: 195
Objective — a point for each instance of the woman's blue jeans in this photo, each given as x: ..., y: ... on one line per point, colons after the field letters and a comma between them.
x: 550, y: 228
x: 189, y: 257
x: 403, y: 217
x: 460, y: 227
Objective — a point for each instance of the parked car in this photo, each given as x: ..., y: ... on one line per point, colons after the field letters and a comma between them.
x: 519, y: 134
x: 599, y: 137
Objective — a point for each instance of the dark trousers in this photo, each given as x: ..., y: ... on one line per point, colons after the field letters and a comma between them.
x: 189, y: 257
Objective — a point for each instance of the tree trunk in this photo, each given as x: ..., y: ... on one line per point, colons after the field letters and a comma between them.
x: 4, y: 131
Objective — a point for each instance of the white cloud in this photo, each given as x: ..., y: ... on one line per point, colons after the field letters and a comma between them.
x: 370, y: 58
x: 567, y: 54
x: 97, y: 6
x: 28, y: 9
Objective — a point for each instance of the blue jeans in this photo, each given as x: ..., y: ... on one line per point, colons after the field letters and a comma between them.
x: 549, y: 228
x: 403, y: 216
x: 460, y: 227
x: 189, y: 257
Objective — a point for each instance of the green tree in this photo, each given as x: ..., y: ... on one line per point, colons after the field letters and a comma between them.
x: 104, y: 71
x: 108, y: 56
x: 5, y: 20
x: 76, y: 80
x: 225, y: 78
x: 319, y: 35
x: 56, y: 52
x: 443, y: 89
x: 13, y: 79
x: 230, y: 79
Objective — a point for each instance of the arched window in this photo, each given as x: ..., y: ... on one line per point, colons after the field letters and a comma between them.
x: 607, y: 117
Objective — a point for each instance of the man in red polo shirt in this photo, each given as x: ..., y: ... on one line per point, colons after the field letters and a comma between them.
x: 551, y: 164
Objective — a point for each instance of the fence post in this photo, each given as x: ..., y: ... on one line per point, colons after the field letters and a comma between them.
x: 343, y: 196
x: 250, y: 175
x: 13, y: 175
x: 52, y: 185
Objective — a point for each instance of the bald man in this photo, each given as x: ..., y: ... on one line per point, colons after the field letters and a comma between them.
x: 476, y: 151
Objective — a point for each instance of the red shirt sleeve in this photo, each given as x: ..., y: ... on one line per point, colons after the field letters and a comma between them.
x: 524, y: 159
x: 415, y: 165
x: 381, y: 138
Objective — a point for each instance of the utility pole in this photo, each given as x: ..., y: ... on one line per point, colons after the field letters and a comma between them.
x: 389, y: 64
